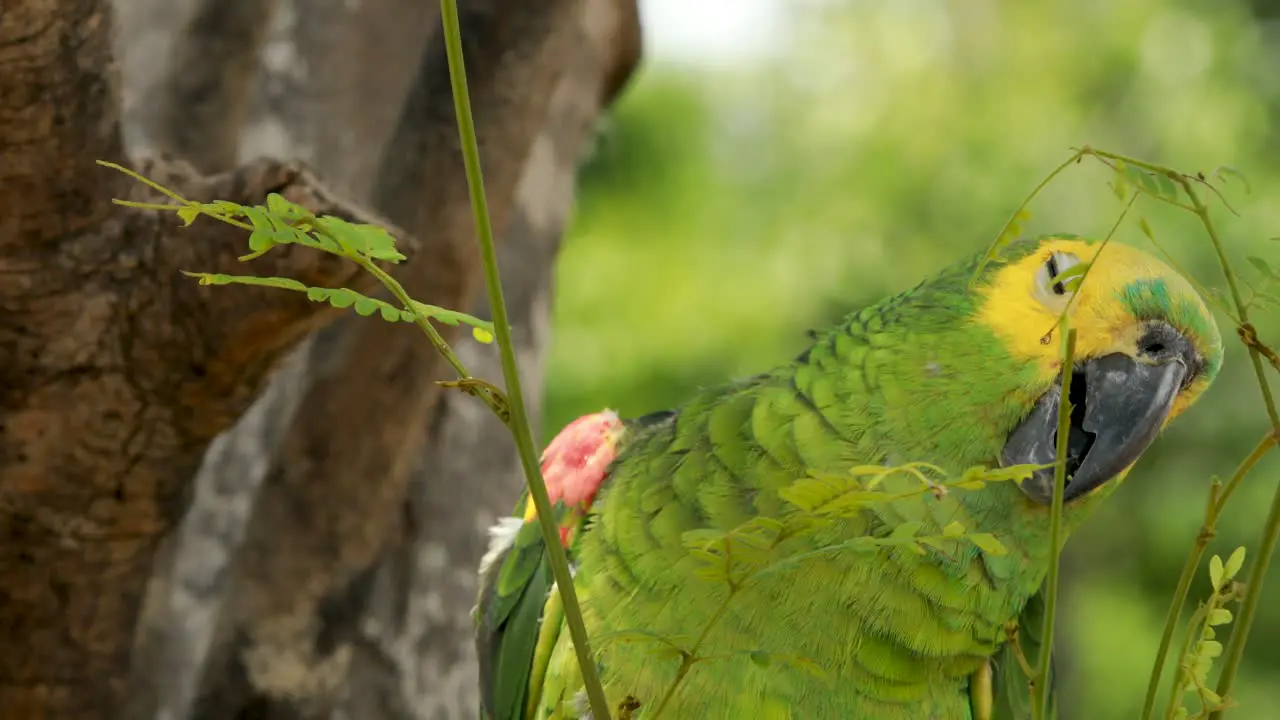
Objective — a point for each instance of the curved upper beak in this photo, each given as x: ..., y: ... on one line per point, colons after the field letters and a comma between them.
x: 1121, y: 403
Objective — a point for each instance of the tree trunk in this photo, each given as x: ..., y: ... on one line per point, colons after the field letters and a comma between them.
x: 118, y: 375
x: 115, y: 371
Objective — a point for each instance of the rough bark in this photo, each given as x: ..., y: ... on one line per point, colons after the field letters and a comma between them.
x: 331, y: 76
x: 333, y: 500
x: 331, y: 83
x: 199, y: 103
x: 415, y: 656
x: 115, y: 371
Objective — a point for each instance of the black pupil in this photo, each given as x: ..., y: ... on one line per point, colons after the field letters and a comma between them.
x: 1052, y: 266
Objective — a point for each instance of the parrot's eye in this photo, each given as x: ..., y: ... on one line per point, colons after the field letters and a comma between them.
x: 1051, y: 290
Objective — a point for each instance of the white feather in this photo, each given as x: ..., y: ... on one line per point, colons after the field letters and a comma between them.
x: 502, y: 535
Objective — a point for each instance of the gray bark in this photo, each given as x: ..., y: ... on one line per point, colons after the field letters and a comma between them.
x: 326, y: 564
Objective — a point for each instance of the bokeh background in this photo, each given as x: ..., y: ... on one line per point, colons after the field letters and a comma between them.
x: 777, y: 164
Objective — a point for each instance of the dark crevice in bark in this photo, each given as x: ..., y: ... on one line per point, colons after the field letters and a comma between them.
x: 115, y: 370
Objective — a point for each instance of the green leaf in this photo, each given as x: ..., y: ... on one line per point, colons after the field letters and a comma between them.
x: 1210, y: 649
x: 761, y: 658
x: 365, y: 307
x: 261, y: 241
x: 1224, y: 172
x: 481, y: 335
x: 258, y: 218
x: 379, y: 243
x: 342, y: 297
x: 1145, y: 227
x: 188, y: 214
x: 1168, y: 188
x: 953, y: 529
x: 1120, y: 187
x: 1071, y: 277
x: 274, y: 282
x: 223, y: 207
x: 935, y: 542
x: 986, y: 542
x: 277, y: 205
x: 1215, y: 572
x: 451, y: 317
x: 1234, y: 563
x: 389, y: 313
x: 1141, y: 179
x: 1261, y: 266
x: 349, y: 239
x: 700, y: 538
x: 1219, y: 616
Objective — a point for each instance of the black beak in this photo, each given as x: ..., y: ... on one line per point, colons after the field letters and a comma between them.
x: 1120, y: 404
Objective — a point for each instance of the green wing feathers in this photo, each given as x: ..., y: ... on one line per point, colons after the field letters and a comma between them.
x: 513, y: 643
x: 1012, y: 689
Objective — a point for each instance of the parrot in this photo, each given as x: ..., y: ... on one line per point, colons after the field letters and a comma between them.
x: 962, y: 371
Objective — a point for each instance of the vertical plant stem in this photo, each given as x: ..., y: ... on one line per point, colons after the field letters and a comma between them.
x: 1217, y: 503
x: 1242, y: 309
x: 1271, y: 531
x: 1179, y: 600
x: 1253, y: 594
x: 1041, y: 689
x: 1179, y: 684
x: 519, y: 424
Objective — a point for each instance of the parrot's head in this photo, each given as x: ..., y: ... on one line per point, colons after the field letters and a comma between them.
x: 1146, y: 349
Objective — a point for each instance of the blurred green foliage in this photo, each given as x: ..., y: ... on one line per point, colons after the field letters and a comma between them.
x: 732, y: 206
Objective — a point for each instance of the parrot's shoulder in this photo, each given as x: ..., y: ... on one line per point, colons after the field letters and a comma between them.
x: 515, y: 578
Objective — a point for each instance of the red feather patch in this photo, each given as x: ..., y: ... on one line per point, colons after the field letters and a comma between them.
x: 575, y: 462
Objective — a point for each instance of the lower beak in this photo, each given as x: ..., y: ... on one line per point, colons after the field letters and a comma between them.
x: 1120, y: 405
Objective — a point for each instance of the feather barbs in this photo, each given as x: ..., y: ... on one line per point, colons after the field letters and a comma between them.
x: 576, y: 461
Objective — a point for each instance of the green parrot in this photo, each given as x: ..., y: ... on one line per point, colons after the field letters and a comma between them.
x: 951, y: 373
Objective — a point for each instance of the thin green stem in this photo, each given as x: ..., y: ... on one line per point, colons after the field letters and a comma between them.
x: 995, y: 246
x: 1041, y: 689
x: 1180, y: 598
x: 1101, y: 247
x: 1271, y: 530
x: 691, y: 656
x: 145, y: 181
x: 1242, y: 310
x: 400, y: 294
x: 1177, y: 687
x: 519, y: 425
x: 1253, y: 594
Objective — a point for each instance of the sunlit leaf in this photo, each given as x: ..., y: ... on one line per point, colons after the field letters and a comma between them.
x: 1233, y: 564
x: 988, y: 543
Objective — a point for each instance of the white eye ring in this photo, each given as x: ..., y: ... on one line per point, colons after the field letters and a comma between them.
x: 1055, y: 294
